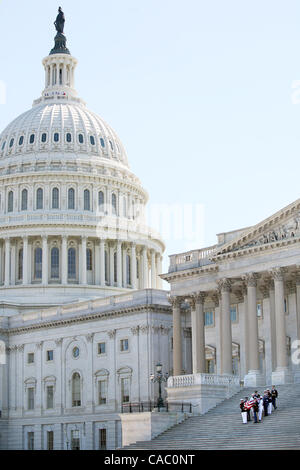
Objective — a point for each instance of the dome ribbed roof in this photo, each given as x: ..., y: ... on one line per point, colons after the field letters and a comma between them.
x: 61, y: 127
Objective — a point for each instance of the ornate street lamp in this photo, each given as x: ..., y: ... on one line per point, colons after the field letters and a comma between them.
x: 159, y: 378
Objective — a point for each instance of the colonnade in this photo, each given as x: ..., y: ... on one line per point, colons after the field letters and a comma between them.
x: 246, y: 287
x: 82, y: 260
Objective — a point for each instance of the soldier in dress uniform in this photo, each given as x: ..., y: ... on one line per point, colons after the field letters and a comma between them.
x: 274, y: 395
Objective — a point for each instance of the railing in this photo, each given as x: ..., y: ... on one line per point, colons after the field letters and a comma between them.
x: 192, y: 258
x: 202, y: 379
x: 149, y: 406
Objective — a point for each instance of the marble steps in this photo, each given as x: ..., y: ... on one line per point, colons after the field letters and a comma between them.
x: 222, y: 427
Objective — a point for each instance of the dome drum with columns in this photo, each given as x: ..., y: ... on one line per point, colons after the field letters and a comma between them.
x: 72, y: 214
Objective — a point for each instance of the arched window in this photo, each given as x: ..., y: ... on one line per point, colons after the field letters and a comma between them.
x: 11, y: 143
x: 128, y: 270
x: 3, y: 145
x: 114, y: 204
x: 69, y: 137
x: 10, y: 201
x: 24, y: 199
x: 76, y: 392
x: 56, y: 137
x: 102, y: 142
x: 89, y: 259
x: 71, y: 198
x: 101, y: 201
x: 111, y: 145
x: 21, y: 140
x: 39, y: 199
x: 115, y: 267
x: 80, y: 138
x: 137, y: 269
x: 86, y: 200
x: 20, y: 264
x: 44, y: 137
x: 133, y: 209
x: 71, y: 263
x: 55, y: 263
x: 38, y: 257
x: 31, y: 139
x: 55, y: 198
x: 92, y: 140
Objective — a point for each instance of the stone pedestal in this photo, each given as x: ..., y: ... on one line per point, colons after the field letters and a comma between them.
x: 282, y: 375
x: 254, y: 378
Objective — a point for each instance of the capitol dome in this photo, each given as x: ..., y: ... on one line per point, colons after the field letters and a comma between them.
x: 72, y: 214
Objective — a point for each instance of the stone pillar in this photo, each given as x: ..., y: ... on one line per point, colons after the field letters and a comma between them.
x: 102, y: 263
x: 83, y: 261
x: 64, y: 260
x: 124, y: 255
x: 158, y: 271
x: 111, y: 266
x: 145, y: 268
x: 13, y: 264
x: 177, y: 339
x: 281, y: 374
x: 25, y: 261
x: 7, y: 263
x: 133, y: 266
x: 198, y: 334
x: 297, y: 279
x: 153, y: 270
x: 45, y: 260
x: 1, y: 263
x: 119, y: 263
x: 226, y: 334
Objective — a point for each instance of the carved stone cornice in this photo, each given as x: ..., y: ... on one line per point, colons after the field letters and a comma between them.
x: 144, y: 329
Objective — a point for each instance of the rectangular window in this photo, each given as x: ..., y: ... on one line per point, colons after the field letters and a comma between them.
x: 210, y: 366
x: 30, y: 441
x: 50, y: 397
x: 102, y: 387
x: 233, y: 313
x: 102, y: 439
x: 30, y: 358
x: 209, y: 318
x: 125, y: 390
x: 101, y: 348
x: 259, y: 309
x: 50, y: 355
x: 50, y: 440
x: 30, y: 398
x: 124, y: 346
x: 75, y: 440
x: 285, y: 306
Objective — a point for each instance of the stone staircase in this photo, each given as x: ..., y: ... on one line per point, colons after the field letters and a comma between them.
x: 222, y: 428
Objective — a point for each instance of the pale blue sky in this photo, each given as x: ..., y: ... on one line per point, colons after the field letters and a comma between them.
x: 200, y: 93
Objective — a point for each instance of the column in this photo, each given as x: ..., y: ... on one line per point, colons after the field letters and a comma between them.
x: 145, y: 268
x: 111, y: 265
x: 45, y: 260
x: 158, y: 271
x: 297, y: 279
x: 1, y: 263
x: 83, y: 260
x: 133, y: 266
x: 153, y: 270
x: 253, y: 377
x: 119, y: 263
x: 198, y: 334
x: 25, y: 261
x: 124, y: 255
x: 177, y: 340
x: 226, y: 335
x: 281, y: 375
x: 64, y: 260
x: 7, y: 263
x: 102, y: 263
x: 13, y: 264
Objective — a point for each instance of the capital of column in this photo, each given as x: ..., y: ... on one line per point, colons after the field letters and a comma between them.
x: 175, y: 301
x: 250, y: 279
x: 198, y: 297
x: 277, y: 274
x: 224, y: 285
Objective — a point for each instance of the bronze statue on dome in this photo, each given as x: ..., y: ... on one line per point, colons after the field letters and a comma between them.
x: 59, y: 23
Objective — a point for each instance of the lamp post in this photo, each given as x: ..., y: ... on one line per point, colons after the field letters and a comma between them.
x: 159, y: 378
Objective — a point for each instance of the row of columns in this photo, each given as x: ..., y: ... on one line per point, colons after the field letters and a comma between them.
x: 223, y: 291
x: 8, y: 256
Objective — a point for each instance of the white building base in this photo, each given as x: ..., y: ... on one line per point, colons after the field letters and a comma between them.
x: 254, y: 378
x: 203, y: 391
x: 146, y: 426
x: 282, y: 376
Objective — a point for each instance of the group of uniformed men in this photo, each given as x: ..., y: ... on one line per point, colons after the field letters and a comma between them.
x: 257, y: 405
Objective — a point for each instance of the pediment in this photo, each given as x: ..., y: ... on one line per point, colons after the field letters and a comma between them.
x: 283, y: 225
